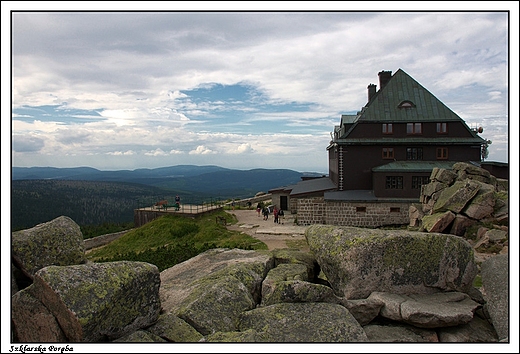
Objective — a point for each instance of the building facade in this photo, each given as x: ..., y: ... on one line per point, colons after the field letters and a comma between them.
x: 393, y: 143
x: 380, y: 157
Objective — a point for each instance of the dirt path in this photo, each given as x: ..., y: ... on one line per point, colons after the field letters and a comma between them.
x: 273, y: 235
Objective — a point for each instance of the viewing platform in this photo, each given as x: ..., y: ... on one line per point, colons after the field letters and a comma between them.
x: 146, y: 214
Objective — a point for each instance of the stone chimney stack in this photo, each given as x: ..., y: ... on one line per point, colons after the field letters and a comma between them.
x: 371, y: 91
x: 384, y: 77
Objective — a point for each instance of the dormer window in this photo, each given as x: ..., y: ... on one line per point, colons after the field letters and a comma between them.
x: 406, y: 105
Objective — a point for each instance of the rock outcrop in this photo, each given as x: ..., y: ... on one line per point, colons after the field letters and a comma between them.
x: 57, y: 242
x: 495, y: 283
x: 89, y: 302
x: 457, y: 200
x: 233, y: 295
x: 360, y: 261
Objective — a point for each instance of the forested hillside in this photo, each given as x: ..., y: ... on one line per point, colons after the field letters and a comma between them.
x: 93, y: 197
x: 85, y: 202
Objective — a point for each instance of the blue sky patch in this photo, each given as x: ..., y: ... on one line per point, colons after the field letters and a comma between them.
x: 55, y: 113
x: 241, y: 107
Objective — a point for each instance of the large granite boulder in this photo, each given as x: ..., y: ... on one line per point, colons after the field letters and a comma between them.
x: 57, y: 242
x: 32, y: 321
x: 478, y: 330
x: 290, y: 283
x: 427, y: 311
x: 243, y: 296
x: 99, y: 302
x: 495, y: 281
x: 399, y: 333
x: 455, y: 197
x: 174, y: 329
x: 304, y: 322
x: 215, y: 304
x: 466, y: 170
x: 179, y: 281
x: 358, y: 261
x: 455, y: 205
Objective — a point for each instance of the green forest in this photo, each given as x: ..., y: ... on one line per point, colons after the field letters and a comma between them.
x: 89, y: 203
x: 104, y: 201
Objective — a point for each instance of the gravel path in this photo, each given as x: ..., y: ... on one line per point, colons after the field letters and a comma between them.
x: 273, y: 235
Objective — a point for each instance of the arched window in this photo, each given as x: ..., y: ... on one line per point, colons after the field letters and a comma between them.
x: 406, y: 105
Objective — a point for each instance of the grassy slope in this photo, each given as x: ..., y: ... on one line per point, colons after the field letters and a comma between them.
x: 172, y: 239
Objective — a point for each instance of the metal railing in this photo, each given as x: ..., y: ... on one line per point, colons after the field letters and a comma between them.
x: 191, y: 207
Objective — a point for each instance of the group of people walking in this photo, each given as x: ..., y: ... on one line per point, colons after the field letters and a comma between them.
x: 278, y: 214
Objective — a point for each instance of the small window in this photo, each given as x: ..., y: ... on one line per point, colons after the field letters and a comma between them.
x: 414, y: 128
x: 406, y: 105
x: 414, y: 154
x: 418, y: 181
x: 395, y: 210
x: 361, y: 209
x: 442, y: 153
x: 442, y: 128
x: 394, y: 182
x: 387, y: 128
x: 388, y: 153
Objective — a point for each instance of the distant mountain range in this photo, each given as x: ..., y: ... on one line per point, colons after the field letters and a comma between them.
x: 93, y: 197
x: 208, y: 180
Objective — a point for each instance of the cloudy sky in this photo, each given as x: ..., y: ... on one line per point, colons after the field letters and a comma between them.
x: 127, y: 90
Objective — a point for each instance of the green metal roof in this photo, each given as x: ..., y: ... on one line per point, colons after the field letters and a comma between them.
x: 348, y: 118
x: 384, y: 106
x: 413, y: 166
x: 411, y: 141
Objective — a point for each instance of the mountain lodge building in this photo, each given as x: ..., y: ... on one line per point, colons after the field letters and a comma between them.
x: 380, y: 157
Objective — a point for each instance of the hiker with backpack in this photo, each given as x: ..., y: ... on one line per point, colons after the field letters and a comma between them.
x: 265, y: 212
x: 280, y: 216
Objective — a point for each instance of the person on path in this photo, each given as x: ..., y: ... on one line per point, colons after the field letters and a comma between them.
x: 233, y: 204
x: 258, y: 209
x: 280, y: 216
x: 275, y: 214
x: 266, y: 213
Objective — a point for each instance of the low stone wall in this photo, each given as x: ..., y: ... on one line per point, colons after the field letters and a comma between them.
x: 363, y: 214
x: 311, y: 211
x: 360, y: 214
x: 102, y: 240
x: 254, y: 200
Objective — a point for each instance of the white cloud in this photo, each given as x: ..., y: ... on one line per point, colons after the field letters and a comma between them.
x: 156, y: 152
x: 121, y: 153
x: 201, y: 150
x: 134, y: 69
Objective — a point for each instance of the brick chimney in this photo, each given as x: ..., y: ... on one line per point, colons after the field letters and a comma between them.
x: 371, y: 91
x: 384, y: 77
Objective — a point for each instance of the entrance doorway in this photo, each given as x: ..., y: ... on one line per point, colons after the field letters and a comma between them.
x: 283, y: 202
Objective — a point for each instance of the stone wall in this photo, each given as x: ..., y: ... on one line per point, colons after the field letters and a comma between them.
x: 311, y: 211
x: 361, y: 214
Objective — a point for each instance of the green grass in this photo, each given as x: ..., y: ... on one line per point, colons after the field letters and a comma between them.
x: 172, y: 239
x: 90, y: 231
